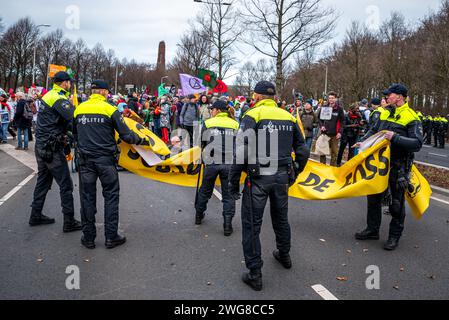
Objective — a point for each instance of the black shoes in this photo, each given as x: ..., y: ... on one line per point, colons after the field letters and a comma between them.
x: 199, y: 218
x: 71, y: 225
x: 112, y: 243
x: 367, y: 235
x: 391, y: 244
x: 253, y: 279
x: 89, y: 244
x: 283, y: 259
x: 228, y: 230
x: 39, y: 220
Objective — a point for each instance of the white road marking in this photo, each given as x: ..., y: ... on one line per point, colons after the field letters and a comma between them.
x: 218, y: 194
x: 431, y: 165
x: 16, y: 189
x: 26, y: 159
x: 438, y: 155
x: 440, y: 200
x: 323, y: 292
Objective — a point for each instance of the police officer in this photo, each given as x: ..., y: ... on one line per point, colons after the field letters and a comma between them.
x: 54, y: 121
x: 95, y: 124
x: 436, y: 130
x: 378, y: 108
x: 269, y: 176
x: 218, y: 136
x: 443, y: 127
x: 404, y: 130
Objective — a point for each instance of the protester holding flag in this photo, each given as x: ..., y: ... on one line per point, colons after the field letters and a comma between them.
x: 404, y: 129
x: 218, y: 133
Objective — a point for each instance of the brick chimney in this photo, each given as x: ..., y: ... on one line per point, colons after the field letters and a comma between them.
x: 161, y: 57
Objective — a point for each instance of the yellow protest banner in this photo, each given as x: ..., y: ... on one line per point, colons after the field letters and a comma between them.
x: 419, y: 193
x: 156, y: 144
x: 181, y: 169
x: 365, y: 174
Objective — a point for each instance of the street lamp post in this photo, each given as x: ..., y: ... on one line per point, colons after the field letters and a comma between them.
x: 219, y: 3
x: 34, y: 54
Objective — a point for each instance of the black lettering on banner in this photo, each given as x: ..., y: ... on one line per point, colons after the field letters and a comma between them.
x: 193, y: 169
x: 384, y: 172
x: 163, y: 169
x: 362, y: 173
x: 370, y: 167
x: 348, y: 181
x: 315, y: 181
x: 141, y: 129
x: 133, y: 155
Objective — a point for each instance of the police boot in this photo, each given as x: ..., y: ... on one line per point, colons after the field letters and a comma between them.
x: 367, y: 235
x: 283, y: 259
x: 117, y: 241
x: 391, y: 244
x: 253, y: 279
x: 228, y: 230
x: 38, y: 219
x: 199, y: 218
x: 89, y: 244
x: 71, y: 225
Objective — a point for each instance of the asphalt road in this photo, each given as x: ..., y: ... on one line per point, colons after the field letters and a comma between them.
x: 168, y: 257
x: 429, y: 154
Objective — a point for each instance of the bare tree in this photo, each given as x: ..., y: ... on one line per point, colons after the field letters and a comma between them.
x: 281, y: 28
x: 193, y: 50
x: 223, y: 30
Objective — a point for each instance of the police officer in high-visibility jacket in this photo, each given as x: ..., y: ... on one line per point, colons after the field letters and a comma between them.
x: 404, y: 129
x: 218, y: 140
x: 95, y: 124
x: 54, y: 121
x: 267, y: 138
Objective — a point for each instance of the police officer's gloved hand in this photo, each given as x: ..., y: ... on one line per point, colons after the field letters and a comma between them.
x: 402, y: 183
x: 145, y: 142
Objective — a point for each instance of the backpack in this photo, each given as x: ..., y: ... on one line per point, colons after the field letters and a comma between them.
x: 28, y: 110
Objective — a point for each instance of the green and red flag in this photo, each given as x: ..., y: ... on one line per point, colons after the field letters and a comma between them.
x: 209, y: 78
x: 221, y: 87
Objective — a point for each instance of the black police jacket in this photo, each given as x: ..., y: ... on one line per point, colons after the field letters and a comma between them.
x: 55, y: 116
x: 264, y: 120
x: 95, y: 124
x: 218, y: 134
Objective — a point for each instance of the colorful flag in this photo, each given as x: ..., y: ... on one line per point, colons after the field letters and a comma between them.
x: 161, y: 90
x: 221, y: 87
x: 54, y: 69
x: 209, y: 78
x: 191, y: 84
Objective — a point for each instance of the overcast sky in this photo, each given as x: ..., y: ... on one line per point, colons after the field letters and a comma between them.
x: 134, y: 28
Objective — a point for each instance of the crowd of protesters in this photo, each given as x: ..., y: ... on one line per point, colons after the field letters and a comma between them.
x: 343, y: 127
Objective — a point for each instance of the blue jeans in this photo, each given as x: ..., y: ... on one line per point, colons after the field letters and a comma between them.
x: 25, y: 134
x: 4, y: 132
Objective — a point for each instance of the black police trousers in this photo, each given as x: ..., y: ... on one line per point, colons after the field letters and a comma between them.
x: 211, y: 173
x: 255, y: 196
x: 57, y: 169
x: 397, y: 209
x: 89, y: 172
x: 442, y: 139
